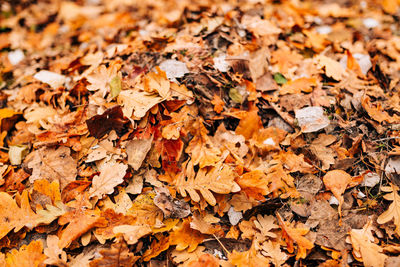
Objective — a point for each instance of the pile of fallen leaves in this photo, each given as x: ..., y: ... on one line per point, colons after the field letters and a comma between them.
x: 199, y: 133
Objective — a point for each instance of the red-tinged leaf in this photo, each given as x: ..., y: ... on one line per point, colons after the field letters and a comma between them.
x: 111, y: 119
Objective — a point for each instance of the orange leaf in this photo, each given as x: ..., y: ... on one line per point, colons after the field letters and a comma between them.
x: 296, y: 235
x: 336, y: 181
x: 297, y: 86
x: 27, y: 255
x: 250, y: 258
x: 255, y: 184
x: 185, y: 237
x: 117, y: 255
x: 218, y: 104
x: 249, y: 124
x: 156, y: 247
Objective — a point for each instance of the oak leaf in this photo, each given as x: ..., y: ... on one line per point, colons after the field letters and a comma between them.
x: 144, y: 209
x: 393, y: 212
x: 137, y: 150
x: 132, y: 233
x: 80, y: 219
x: 250, y: 258
x: 156, y: 247
x: 185, y: 237
x: 55, y: 255
x: 27, y: 255
x: 265, y: 224
x: 365, y: 248
x: 333, y: 69
x: 255, y: 184
x: 219, y: 179
x: 110, y: 176
x: 15, y: 217
x: 117, y: 255
x: 291, y: 235
x: 184, y: 257
x: 200, y: 148
x: 52, y: 164
x: 273, y: 251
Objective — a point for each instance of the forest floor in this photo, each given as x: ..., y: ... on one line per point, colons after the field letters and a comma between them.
x: 199, y: 133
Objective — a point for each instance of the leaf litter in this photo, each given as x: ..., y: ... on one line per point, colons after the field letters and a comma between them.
x: 192, y: 133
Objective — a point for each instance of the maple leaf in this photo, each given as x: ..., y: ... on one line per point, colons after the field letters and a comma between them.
x: 117, y: 255
x: 292, y: 235
x: 363, y: 246
x: 393, y: 212
x: 110, y: 176
x: 185, y: 237
x: 27, y: 255
x: 219, y: 179
x: 52, y: 164
x: 337, y: 181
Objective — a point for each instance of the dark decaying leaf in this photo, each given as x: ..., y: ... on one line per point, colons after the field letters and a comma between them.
x: 111, y: 119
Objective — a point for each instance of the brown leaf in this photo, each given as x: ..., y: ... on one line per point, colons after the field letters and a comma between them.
x: 52, y: 164
x: 111, y: 119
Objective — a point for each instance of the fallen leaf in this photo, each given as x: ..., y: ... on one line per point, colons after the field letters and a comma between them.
x: 370, y: 253
x: 311, y: 119
x: 55, y: 255
x: 219, y: 179
x: 132, y: 233
x: 393, y: 212
x: 117, y: 255
x: 185, y: 237
x: 291, y: 235
x: 27, y: 255
x: 52, y: 164
x: 137, y: 150
x: 111, y: 119
x: 111, y: 175
x: 336, y: 181
x: 333, y: 68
